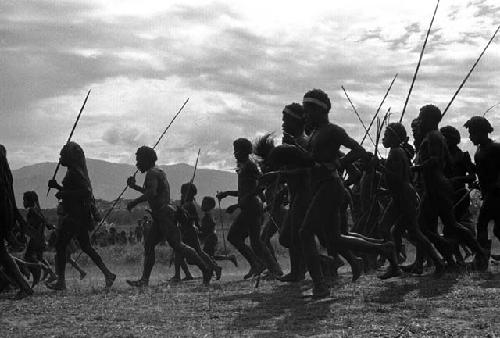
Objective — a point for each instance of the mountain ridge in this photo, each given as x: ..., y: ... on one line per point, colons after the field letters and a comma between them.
x: 108, y: 180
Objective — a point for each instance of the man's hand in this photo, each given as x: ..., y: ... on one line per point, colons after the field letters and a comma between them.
x: 131, y: 205
x: 131, y: 182
x: 53, y: 184
x: 221, y: 195
x: 232, y: 208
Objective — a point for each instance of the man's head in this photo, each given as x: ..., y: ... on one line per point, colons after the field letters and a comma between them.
x: 188, y: 192
x: 145, y: 158
x: 207, y: 203
x: 30, y: 199
x: 242, y: 149
x: 429, y: 117
x: 452, y: 136
x: 72, y: 155
x: 317, y: 105
x: 479, y: 128
x: 394, y: 135
x: 293, y: 120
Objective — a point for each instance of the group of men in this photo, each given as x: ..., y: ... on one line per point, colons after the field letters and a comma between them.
x: 306, y: 186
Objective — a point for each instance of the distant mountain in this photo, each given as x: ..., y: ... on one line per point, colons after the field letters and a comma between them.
x: 109, y: 179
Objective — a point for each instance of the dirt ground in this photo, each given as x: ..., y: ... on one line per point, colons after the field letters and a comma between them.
x: 456, y: 305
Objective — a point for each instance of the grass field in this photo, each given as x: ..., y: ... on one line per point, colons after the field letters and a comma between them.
x: 456, y: 305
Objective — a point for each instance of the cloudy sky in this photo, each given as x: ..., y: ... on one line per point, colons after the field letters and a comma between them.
x: 239, y: 62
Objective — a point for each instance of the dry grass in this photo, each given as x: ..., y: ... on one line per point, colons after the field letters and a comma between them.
x: 456, y: 305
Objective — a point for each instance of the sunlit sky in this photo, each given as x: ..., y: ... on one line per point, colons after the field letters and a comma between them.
x: 239, y: 62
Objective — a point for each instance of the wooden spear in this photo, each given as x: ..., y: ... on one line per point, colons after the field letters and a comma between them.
x: 470, y: 72
x: 71, y: 135
x: 418, y: 64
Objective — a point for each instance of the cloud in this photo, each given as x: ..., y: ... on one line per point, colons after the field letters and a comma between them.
x: 238, y: 64
x: 123, y: 135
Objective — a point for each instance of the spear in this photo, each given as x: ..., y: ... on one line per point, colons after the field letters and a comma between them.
x: 490, y: 108
x: 470, y: 72
x: 356, y: 112
x: 70, y: 135
x: 380, y: 125
x: 194, y: 171
x: 195, y: 166
x: 418, y: 64
x: 222, y: 226
x: 378, y: 109
x: 115, y: 202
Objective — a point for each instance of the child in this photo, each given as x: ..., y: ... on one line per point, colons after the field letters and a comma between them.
x: 207, y: 233
x: 36, y: 224
x: 189, y: 230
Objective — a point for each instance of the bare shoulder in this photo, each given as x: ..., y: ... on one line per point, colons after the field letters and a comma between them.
x: 154, y: 173
x: 334, y: 129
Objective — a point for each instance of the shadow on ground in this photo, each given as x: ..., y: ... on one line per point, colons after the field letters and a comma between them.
x: 282, y: 312
x: 426, y: 286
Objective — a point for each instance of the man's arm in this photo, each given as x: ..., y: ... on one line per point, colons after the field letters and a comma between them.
x: 470, y: 174
x: 132, y: 184
x: 149, y: 191
x: 223, y: 194
x: 355, y: 154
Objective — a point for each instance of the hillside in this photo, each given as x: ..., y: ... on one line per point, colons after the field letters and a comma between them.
x: 108, y: 180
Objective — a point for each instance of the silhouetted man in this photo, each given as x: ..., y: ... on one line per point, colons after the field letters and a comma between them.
x: 487, y: 159
x: 437, y: 199
x: 79, y: 218
x: 248, y: 223
x: 156, y: 191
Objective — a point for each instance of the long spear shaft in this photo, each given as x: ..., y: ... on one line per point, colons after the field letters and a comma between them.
x: 172, y: 121
x: 222, y: 227
x: 71, y: 134
x: 194, y: 172
x: 470, y: 72
x: 490, y: 108
x: 137, y: 171
x: 356, y: 112
x: 115, y: 202
x: 378, y: 109
x: 380, y: 125
x: 418, y: 64
x: 195, y: 166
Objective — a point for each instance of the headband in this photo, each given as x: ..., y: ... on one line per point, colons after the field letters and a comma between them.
x: 292, y: 113
x: 316, y: 102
